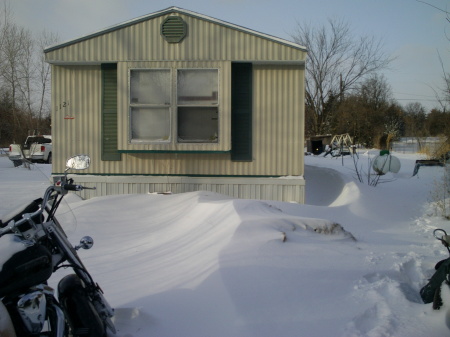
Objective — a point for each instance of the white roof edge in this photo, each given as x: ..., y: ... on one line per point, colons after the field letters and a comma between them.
x: 172, y: 9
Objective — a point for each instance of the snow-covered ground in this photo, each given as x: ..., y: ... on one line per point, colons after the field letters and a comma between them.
x: 203, y: 264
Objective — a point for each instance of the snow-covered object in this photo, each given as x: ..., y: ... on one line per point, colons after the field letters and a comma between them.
x: 9, y: 245
x: 386, y: 163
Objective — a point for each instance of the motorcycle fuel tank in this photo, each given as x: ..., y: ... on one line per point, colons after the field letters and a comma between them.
x: 24, y: 267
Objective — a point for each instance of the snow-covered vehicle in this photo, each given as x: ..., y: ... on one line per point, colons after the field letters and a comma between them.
x: 34, y: 246
x: 35, y: 149
x: 431, y: 292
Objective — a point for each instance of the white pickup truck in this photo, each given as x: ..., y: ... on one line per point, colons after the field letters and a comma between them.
x: 35, y: 149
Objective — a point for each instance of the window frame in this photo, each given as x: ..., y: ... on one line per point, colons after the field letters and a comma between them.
x: 173, y: 106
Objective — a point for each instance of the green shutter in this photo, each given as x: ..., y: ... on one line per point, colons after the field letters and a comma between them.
x: 109, y: 112
x: 241, y: 112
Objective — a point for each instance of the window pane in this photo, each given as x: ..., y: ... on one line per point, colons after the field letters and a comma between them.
x: 150, y: 124
x: 197, y: 86
x: 197, y: 124
x: 150, y: 86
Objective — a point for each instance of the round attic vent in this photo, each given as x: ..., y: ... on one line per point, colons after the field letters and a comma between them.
x: 173, y: 29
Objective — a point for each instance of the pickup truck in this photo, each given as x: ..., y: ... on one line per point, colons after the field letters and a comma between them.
x: 37, y: 149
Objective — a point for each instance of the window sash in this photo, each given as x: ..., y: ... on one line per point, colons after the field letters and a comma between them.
x: 197, y: 87
x: 150, y: 124
x: 198, y: 124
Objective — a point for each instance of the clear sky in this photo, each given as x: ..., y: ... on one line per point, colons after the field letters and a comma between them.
x: 412, y: 31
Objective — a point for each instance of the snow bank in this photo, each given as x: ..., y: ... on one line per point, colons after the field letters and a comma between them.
x: 350, y: 262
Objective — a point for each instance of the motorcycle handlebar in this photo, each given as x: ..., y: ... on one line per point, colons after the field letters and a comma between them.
x: 70, y: 187
x: 47, y: 195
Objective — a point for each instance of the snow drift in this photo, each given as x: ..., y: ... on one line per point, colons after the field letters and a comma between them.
x: 348, y: 263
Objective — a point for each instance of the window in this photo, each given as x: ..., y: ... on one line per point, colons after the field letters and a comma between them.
x: 197, y: 103
x: 194, y: 106
x: 150, y: 105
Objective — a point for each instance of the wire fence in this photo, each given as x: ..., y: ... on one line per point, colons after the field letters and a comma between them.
x: 416, y: 144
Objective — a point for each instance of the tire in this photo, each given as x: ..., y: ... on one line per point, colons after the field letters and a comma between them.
x: 81, y: 315
x: 49, y: 159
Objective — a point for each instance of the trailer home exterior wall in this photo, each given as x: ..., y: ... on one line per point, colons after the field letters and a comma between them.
x: 178, y: 101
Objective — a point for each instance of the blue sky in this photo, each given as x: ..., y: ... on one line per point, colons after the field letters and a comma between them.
x: 412, y: 31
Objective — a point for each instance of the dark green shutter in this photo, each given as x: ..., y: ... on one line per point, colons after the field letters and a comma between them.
x: 109, y: 112
x: 241, y: 111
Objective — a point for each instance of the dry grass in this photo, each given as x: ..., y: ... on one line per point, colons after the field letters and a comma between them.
x: 438, y: 151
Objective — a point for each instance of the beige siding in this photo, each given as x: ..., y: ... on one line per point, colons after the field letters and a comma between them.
x: 75, y: 112
x: 291, y: 190
x: 277, y: 127
x: 205, y: 41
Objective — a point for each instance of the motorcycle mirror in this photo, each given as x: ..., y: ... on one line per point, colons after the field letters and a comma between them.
x: 78, y: 162
x: 86, y: 242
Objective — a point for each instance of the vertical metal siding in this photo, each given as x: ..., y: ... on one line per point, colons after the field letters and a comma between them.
x: 205, y: 41
x: 76, y: 128
x: 277, y: 125
x: 257, y: 188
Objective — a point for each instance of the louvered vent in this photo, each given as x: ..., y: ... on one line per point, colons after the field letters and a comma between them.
x: 173, y: 29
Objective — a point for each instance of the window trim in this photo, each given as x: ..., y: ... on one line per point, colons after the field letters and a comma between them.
x: 173, y: 111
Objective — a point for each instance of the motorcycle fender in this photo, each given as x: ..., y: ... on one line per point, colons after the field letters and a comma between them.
x: 68, y: 285
x: 6, y: 325
x: 78, y: 308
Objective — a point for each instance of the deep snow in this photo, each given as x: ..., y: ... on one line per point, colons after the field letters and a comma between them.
x: 204, y: 264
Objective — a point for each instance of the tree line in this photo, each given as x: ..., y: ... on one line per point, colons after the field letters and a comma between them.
x: 374, y: 119
x: 347, y: 93
x: 24, y: 81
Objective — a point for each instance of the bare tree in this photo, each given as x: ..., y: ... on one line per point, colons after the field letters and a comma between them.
x: 43, y: 74
x: 24, y: 77
x: 337, y: 61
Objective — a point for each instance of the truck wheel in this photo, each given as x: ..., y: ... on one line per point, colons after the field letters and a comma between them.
x: 49, y: 159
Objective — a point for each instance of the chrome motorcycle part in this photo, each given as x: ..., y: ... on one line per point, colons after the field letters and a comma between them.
x: 57, y: 320
x: 86, y: 242
x: 32, y: 310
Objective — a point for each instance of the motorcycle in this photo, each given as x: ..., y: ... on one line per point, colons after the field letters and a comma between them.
x: 33, y: 246
x: 431, y: 292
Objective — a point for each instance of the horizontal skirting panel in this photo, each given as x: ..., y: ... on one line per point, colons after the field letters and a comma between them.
x: 290, y: 189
